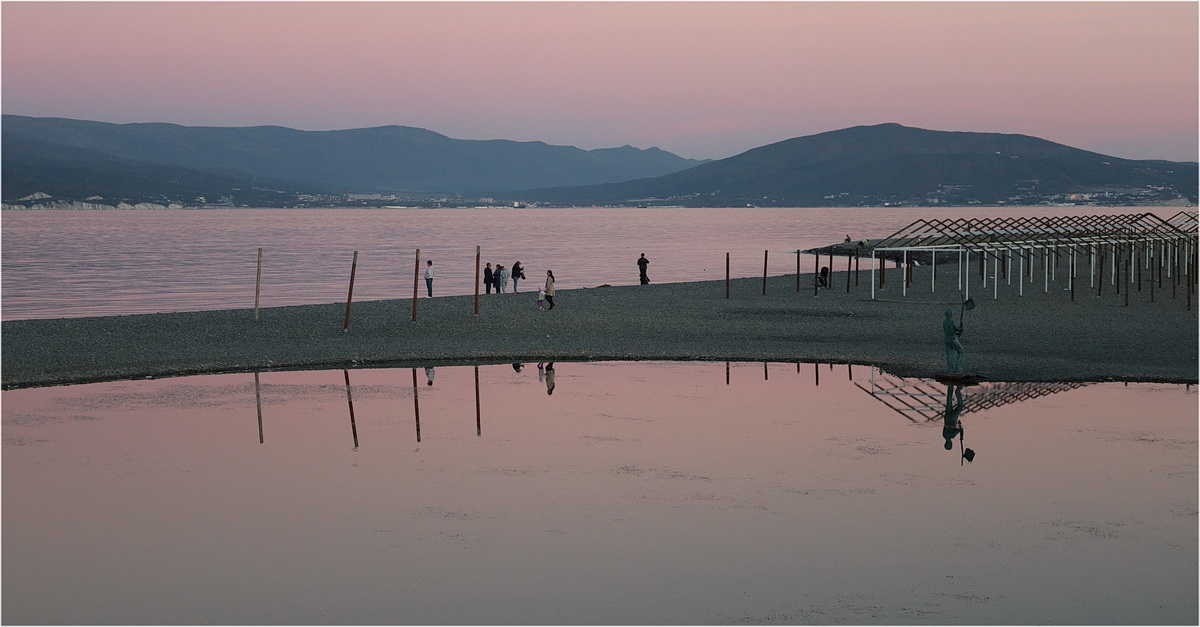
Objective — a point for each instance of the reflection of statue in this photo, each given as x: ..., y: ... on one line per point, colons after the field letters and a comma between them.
x: 951, y: 425
x: 550, y: 378
x: 517, y: 366
x: 429, y: 375
x: 954, y: 349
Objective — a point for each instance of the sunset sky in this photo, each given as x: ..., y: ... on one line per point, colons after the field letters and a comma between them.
x: 700, y: 79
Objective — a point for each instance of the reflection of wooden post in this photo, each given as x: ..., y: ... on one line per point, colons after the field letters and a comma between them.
x: 765, y: 377
x: 350, y: 402
x: 258, y: 284
x: 726, y: 275
x: 478, y: 420
x: 416, y: 280
x: 765, y: 273
x: 817, y: 372
x: 476, y: 280
x: 850, y: 372
x: 350, y: 294
x: 416, y: 405
x: 258, y: 403
x: 727, y: 372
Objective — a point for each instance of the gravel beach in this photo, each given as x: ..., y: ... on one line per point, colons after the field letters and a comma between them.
x: 1035, y: 337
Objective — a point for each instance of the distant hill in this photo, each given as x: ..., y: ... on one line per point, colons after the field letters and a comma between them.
x: 894, y: 164
x: 76, y: 159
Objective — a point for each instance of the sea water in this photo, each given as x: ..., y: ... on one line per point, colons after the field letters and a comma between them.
x: 56, y: 264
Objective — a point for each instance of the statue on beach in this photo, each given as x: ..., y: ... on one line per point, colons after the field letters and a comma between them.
x: 954, y: 349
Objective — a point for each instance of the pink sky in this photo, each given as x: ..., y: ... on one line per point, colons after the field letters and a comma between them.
x: 703, y: 80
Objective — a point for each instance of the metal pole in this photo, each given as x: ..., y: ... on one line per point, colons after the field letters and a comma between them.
x: 907, y: 275
x: 477, y: 282
x: 1021, y: 283
x: 797, y: 270
x: 872, y: 274
x: 726, y: 276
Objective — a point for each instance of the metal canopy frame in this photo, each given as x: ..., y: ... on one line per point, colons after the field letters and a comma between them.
x: 992, y: 239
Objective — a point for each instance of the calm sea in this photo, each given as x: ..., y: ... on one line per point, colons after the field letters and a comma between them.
x: 60, y: 264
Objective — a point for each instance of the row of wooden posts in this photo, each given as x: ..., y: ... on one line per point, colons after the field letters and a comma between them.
x: 1127, y: 254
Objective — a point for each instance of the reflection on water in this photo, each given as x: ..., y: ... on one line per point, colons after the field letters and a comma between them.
x: 609, y: 493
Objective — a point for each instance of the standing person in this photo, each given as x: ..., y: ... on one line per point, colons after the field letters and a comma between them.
x: 541, y: 299
x: 642, y: 263
x: 429, y: 277
x: 502, y: 282
x: 487, y: 278
x: 550, y: 289
x: 517, y: 273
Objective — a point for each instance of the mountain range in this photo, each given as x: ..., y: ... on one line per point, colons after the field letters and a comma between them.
x: 884, y: 164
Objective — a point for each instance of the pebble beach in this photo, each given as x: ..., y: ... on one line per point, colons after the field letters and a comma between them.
x: 1042, y: 335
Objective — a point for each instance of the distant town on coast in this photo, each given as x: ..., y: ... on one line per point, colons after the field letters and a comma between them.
x: 58, y: 163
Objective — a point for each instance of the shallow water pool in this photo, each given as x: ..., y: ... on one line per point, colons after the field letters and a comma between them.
x: 599, y: 493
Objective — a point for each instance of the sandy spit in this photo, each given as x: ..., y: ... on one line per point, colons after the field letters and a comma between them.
x: 1040, y: 336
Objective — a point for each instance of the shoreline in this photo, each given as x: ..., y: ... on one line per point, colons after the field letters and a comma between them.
x: 1035, y: 337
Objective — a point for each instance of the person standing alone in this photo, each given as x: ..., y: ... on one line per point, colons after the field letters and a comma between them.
x: 429, y: 278
x: 642, y: 263
x: 550, y: 289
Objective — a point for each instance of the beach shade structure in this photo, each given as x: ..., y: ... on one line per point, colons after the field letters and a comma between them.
x: 997, y: 241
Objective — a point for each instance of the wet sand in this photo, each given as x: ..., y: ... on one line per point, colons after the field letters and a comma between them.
x: 1035, y: 337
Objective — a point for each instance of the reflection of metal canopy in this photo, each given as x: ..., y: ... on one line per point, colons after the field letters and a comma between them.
x: 923, y: 400
x: 997, y: 239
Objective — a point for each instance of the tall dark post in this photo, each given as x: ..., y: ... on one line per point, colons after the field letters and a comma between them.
x: 416, y: 281
x: 476, y: 280
x: 797, y: 270
x: 726, y: 373
x: 478, y: 419
x: 847, y: 274
x: 1137, y: 263
x: 816, y: 272
x: 353, y: 267
x: 1153, y: 264
x: 1100, y: 283
x: 726, y: 275
x: 855, y: 268
x: 765, y: 272
x: 882, y: 268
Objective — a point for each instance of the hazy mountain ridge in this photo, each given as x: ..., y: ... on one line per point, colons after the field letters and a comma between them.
x: 249, y: 162
x: 81, y: 161
x: 894, y: 164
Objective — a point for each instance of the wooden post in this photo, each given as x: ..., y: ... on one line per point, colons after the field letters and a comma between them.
x: 350, y: 294
x: 847, y: 274
x: 1153, y: 263
x: 416, y: 284
x: 1137, y: 262
x: 476, y: 289
x: 765, y: 272
x: 1100, y: 283
x: 258, y: 284
x: 816, y: 273
x: 856, y: 268
x: 727, y: 276
x: 797, y: 270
